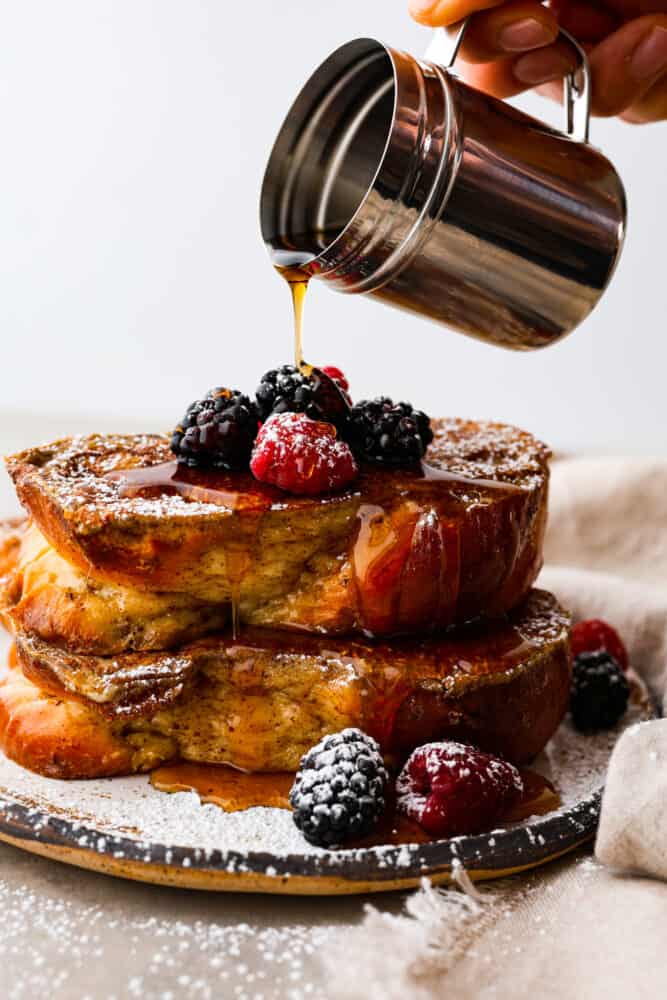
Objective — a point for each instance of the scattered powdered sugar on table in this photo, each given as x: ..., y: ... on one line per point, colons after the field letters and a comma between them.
x: 96, y: 939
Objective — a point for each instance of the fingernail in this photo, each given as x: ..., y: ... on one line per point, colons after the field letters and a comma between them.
x: 421, y: 6
x: 529, y: 33
x: 650, y: 56
x: 540, y: 67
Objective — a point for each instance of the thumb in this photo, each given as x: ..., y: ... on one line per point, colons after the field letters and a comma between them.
x: 440, y: 13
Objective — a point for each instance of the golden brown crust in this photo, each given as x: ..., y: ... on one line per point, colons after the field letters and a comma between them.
x: 449, y: 549
x: 49, y: 598
x: 11, y: 535
x: 12, y: 532
x: 55, y: 736
x: 260, y: 702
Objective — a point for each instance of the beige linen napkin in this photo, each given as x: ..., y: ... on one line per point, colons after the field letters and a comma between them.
x: 573, y: 928
x: 606, y: 556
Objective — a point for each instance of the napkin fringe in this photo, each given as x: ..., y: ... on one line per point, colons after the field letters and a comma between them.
x: 407, y: 954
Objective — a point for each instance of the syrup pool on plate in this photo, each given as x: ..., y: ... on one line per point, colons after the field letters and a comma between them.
x: 234, y: 790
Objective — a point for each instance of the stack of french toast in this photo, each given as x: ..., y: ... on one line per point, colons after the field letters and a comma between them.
x: 164, y: 613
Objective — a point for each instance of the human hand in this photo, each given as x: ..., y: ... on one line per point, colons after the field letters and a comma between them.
x: 512, y: 46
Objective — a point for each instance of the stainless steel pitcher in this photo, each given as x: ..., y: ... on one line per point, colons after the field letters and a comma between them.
x: 391, y: 177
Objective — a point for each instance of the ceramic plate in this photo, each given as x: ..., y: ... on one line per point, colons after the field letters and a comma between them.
x: 125, y: 827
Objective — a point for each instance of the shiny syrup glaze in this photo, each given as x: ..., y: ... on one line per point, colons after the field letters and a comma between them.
x: 388, y: 679
x: 404, y: 552
x: 234, y: 791
x: 239, y: 492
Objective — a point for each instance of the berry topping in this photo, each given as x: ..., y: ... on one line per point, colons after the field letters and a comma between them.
x: 592, y: 635
x: 217, y: 431
x: 389, y: 433
x: 338, y: 793
x: 288, y: 390
x: 301, y: 455
x: 337, y: 375
x: 600, y: 691
x: 451, y: 789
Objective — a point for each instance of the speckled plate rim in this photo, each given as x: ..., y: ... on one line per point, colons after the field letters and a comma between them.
x: 34, y: 826
x: 344, y: 872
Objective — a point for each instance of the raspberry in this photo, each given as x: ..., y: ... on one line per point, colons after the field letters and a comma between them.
x: 337, y: 375
x: 217, y: 431
x: 451, y: 789
x: 594, y: 634
x: 288, y: 390
x: 301, y: 455
x: 389, y: 433
x: 600, y: 691
x: 339, y: 790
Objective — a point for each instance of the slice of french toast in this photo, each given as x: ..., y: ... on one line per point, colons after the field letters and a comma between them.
x: 258, y: 703
x: 44, y: 595
x: 402, y: 551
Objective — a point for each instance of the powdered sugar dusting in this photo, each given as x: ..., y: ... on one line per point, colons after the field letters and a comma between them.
x: 447, y: 776
x: 301, y: 455
x: 73, y: 471
x: 488, y: 450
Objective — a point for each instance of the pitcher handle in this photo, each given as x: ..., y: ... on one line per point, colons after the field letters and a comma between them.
x: 577, y: 85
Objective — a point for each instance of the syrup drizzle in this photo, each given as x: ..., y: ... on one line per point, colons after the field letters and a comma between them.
x: 245, y: 498
x: 405, y: 557
x: 234, y: 791
x: 397, y: 689
x: 292, y: 266
x: 240, y: 490
x: 295, y: 261
x: 298, y: 287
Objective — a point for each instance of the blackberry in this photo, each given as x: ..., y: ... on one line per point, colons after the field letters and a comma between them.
x: 389, y: 433
x: 600, y: 691
x: 338, y: 793
x: 288, y: 390
x: 217, y: 431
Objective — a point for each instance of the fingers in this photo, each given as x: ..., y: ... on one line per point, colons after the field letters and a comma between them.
x: 440, y: 13
x: 627, y: 64
x: 629, y: 72
x: 494, y: 78
x: 586, y: 20
x: 517, y: 26
x: 511, y: 47
x: 544, y: 65
x: 512, y: 75
x: 651, y: 108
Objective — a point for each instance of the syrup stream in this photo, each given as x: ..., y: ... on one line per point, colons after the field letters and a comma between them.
x: 298, y: 287
x: 292, y: 265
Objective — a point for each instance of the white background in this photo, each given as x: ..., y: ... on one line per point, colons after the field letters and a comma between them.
x: 134, y: 135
